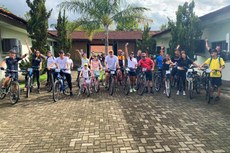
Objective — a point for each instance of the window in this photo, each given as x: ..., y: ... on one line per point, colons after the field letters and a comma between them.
x: 224, y: 48
x: 8, y: 44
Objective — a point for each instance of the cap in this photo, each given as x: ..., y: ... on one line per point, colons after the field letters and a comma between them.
x: 214, y: 51
x: 132, y: 53
x: 13, y: 51
x: 61, y: 52
x: 85, y: 64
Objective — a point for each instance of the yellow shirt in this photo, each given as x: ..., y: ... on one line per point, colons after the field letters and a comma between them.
x: 215, y: 65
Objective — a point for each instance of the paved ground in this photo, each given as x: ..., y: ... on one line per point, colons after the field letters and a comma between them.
x: 126, y: 124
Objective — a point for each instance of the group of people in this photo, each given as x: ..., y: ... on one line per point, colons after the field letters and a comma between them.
x: 179, y: 63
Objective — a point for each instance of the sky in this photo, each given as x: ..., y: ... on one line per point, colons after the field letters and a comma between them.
x: 159, y: 10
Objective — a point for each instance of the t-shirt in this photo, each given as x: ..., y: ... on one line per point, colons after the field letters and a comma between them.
x: 121, y: 60
x: 12, y: 63
x: 138, y: 58
x: 83, y: 61
x: 215, y: 64
x: 147, y: 63
x: 62, y: 63
x: 159, y: 61
x: 184, y: 63
x: 175, y: 59
x: 69, y: 64
x: 165, y: 65
x: 95, y: 64
x: 85, y: 73
x: 132, y: 63
x: 111, y: 62
x: 51, y: 60
x: 36, y: 61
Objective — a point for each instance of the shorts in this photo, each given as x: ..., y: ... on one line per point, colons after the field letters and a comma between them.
x: 12, y: 75
x: 174, y: 71
x: 149, y: 76
x: 132, y: 73
x: 216, y: 81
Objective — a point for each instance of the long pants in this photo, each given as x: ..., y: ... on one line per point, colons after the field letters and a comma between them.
x: 36, y: 75
x: 68, y: 79
x: 181, y: 74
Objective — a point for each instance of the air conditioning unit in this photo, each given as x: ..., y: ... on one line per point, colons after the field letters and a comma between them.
x: 8, y: 44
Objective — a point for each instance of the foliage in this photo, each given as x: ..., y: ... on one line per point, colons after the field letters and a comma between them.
x: 147, y: 43
x: 187, y: 30
x: 38, y: 24
x: 63, y: 43
x: 97, y: 14
x: 128, y: 25
x: 164, y: 27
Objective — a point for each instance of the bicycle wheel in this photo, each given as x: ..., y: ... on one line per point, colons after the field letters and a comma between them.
x: 157, y: 84
x: 111, y: 86
x: 87, y: 91
x: 138, y: 82
x: 28, y: 87
x: 97, y: 86
x: 57, y: 91
x: 190, y: 89
x: 66, y: 90
x: 127, y: 85
x: 50, y: 83
x: 198, y: 85
x: 168, y: 87
x: 2, y: 91
x: 141, y: 89
x: 14, y: 92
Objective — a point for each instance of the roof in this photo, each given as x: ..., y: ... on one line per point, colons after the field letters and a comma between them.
x: 216, y: 13
x: 162, y: 32
x: 19, y: 20
x: 113, y: 35
x: 11, y: 16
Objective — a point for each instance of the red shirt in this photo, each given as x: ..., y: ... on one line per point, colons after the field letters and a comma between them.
x: 147, y: 63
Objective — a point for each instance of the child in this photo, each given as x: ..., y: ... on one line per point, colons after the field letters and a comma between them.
x: 85, y: 75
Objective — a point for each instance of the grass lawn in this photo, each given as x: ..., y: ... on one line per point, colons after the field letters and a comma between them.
x: 42, y: 78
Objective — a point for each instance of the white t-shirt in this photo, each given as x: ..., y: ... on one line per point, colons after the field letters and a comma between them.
x: 51, y: 60
x: 69, y: 64
x: 62, y: 63
x: 85, y: 73
x: 132, y: 64
x: 111, y: 62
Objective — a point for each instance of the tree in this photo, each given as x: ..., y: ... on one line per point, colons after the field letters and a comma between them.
x: 96, y: 14
x: 63, y: 42
x: 147, y: 43
x: 128, y: 25
x: 187, y: 29
x: 38, y: 24
x: 164, y: 27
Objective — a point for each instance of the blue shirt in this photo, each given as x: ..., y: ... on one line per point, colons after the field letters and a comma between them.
x: 159, y: 61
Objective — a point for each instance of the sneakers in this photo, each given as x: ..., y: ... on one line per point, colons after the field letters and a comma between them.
x: 178, y: 93
x: 184, y: 94
x: 131, y: 90
x: 134, y: 90
x: 164, y: 92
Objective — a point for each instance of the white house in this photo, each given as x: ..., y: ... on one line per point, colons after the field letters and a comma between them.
x: 216, y: 28
x: 13, y: 34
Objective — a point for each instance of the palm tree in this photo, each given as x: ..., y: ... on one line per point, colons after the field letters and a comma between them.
x: 97, y: 14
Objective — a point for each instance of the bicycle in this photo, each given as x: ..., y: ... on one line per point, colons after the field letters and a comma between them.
x: 194, y: 82
x: 126, y: 82
x: 95, y: 84
x: 158, y: 80
x: 50, y: 82
x: 85, y: 86
x: 60, y: 85
x: 111, y: 82
x: 168, y: 83
x: 209, y: 88
x: 141, y: 83
x: 30, y: 80
x: 12, y: 88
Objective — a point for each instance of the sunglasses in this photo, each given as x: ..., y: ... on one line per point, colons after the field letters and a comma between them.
x: 143, y: 56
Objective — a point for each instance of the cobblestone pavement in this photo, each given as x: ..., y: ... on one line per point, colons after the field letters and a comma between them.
x: 118, y: 124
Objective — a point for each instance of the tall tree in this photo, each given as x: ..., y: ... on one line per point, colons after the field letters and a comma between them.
x: 63, y: 42
x: 128, y: 25
x: 187, y: 29
x: 38, y: 24
x: 96, y: 14
x: 147, y: 43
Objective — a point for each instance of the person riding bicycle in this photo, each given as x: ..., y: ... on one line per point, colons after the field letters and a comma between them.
x: 216, y: 65
x: 37, y: 59
x: 50, y: 59
x: 121, y: 60
x: 182, y: 65
x: 11, y: 63
x: 84, y: 74
x: 147, y: 64
x: 175, y: 59
x: 95, y: 66
x: 111, y: 64
x: 166, y: 65
x: 64, y: 63
x: 132, y: 65
x: 84, y: 60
